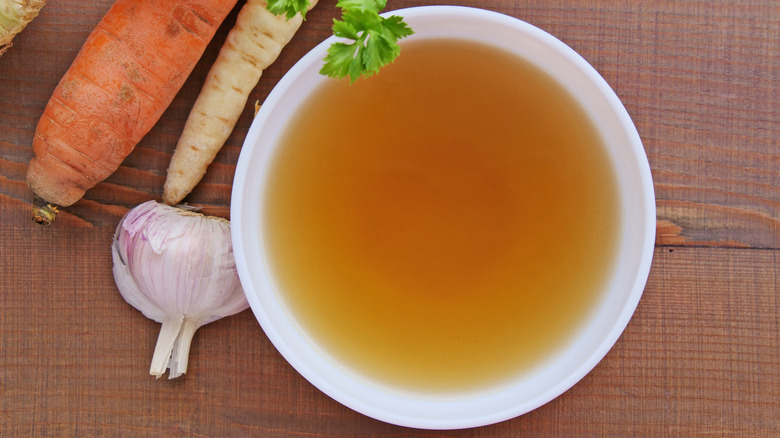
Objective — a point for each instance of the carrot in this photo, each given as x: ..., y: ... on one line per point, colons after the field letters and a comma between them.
x: 14, y: 16
x: 126, y: 74
x: 251, y: 46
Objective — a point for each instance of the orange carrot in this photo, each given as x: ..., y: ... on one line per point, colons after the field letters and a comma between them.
x: 126, y: 74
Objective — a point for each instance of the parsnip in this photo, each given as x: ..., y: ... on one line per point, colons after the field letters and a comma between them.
x: 251, y: 46
x: 14, y: 16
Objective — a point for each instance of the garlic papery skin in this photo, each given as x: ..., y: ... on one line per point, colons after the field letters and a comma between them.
x: 177, y: 268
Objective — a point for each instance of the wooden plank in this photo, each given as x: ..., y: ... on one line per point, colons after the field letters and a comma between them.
x: 701, y: 82
x: 704, y: 99
x: 699, y: 357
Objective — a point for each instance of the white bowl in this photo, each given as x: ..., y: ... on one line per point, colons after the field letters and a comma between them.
x: 635, y: 244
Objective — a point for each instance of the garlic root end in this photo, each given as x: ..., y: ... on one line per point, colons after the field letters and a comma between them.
x: 181, y: 348
x: 169, y: 332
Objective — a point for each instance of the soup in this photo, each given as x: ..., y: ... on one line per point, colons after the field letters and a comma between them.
x: 444, y: 226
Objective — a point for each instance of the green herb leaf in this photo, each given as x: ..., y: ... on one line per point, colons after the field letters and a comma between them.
x: 343, y: 29
x: 288, y: 7
x: 395, y: 25
x: 338, y: 60
x: 375, y: 40
x: 366, y: 5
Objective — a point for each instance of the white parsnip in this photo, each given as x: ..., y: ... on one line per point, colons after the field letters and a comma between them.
x: 14, y: 16
x: 251, y: 46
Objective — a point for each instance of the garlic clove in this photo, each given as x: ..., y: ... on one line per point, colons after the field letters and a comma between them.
x: 177, y: 268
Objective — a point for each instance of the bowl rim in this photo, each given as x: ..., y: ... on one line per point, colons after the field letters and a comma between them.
x: 347, y: 389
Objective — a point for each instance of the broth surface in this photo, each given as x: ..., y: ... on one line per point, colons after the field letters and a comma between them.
x: 445, y: 225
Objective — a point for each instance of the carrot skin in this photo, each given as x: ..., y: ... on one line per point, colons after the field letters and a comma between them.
x: 125, y: 76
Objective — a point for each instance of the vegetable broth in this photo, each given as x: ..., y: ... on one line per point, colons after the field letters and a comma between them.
x: 445, y: 225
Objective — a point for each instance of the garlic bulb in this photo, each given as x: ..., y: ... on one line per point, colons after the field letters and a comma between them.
x: 177, y: 268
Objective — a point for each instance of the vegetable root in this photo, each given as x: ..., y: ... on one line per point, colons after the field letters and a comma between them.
x: 173, y: 346
x: 126, y: 74
x: 252, y: 45
x: 14, y: 16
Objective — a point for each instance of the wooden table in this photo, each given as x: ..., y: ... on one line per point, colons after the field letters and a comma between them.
x: 700, y: 357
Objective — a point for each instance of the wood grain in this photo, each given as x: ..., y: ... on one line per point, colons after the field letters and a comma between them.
x: 699, y: 358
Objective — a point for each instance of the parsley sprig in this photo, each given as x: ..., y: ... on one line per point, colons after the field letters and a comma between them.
x: 374, y: 38
x: 288, y: 7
